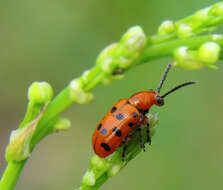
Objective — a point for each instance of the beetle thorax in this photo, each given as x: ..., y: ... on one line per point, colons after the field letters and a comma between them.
x: 143, y: 100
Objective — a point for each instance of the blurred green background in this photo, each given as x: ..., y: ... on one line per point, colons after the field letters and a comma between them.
x: 56, y: 41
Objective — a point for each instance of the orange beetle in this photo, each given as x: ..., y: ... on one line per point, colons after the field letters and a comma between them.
x: 126, y: 117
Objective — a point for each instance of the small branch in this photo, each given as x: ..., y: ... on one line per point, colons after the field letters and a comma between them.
x: 157, y: 51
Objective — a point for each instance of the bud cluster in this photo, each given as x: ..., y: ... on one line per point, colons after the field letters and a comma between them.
x: 78, y: 94
x: 207, y: 55
x: 203, y: 20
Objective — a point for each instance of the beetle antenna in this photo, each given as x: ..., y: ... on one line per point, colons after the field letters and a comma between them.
x: 178, y: 87
x: 164, y: 77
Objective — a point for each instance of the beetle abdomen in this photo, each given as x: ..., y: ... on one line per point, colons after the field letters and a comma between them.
x: 117, y: 124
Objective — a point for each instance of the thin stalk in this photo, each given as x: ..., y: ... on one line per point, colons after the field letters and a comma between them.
x: 11, y: 175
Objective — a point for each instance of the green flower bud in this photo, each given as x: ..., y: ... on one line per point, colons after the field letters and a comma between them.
x: 184, y: 31
x: 106, y: 52
x: 108, y: 65
x: 203, y: 14
x: 99, y: 163
x: 89, y: 178
x: 166, y: 27
x: 187, y: 60
x: 107, y: 81
x: 105, y: 58
x: 130, y: 47
x: 78, y: 94
x: 209, y: 52
x: 63, y: 124
x: 217, y: 37
x: 18, y: 148
x: 85, y: 75
x: 218, y: 9
x: 40, y: 92
x: 115, y: 169
x: 154, y: 121
x: 124, y: 53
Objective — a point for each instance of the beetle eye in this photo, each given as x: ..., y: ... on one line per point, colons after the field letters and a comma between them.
x: 160, y: 101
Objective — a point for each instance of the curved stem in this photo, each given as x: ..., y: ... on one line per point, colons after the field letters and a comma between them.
x: 33, y: 110
x: 160, y: 50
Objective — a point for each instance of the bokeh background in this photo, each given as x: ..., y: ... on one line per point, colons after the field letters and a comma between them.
x: 56, y: 41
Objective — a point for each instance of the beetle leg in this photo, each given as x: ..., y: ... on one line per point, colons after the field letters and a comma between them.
x: 148, y: 131
x: 124, y: 141
x: 148, y: 135
x: 142, y: 145
x: 124, y: 152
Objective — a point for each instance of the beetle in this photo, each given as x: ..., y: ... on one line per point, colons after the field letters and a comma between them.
x: 126, y: 117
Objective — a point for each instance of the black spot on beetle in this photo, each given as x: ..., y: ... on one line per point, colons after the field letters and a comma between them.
x: 104, y: 131
x: 99, y: 126
x: 106, y: 147
x: 127, y: 102
x: 119, y: 116
x: 131, y: 124
x: 117, y: 132
x: 135, y: 115
x: 113, y: 109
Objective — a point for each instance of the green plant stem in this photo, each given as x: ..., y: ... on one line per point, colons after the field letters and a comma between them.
x: 11, y: 174
x: 156, y: 51
x: 32, y: 111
